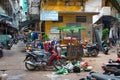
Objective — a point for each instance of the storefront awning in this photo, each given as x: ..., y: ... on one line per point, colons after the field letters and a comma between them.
x: 27, y: 23
x: 106, y: 19
x: 8, y: 23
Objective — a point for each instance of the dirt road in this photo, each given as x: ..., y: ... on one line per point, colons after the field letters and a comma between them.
x: 13, y: 63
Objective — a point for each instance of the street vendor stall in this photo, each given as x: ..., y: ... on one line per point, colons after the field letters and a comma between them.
x: 72, y: 43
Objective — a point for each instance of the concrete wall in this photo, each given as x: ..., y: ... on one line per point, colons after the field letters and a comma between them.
x: 1, y: 10
x: 93, y: 5
x: 71, y: 18
x: 1, y: 6
x: 90, y: 6
x: 62, y: 7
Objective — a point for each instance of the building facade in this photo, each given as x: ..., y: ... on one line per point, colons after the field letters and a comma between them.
x: 66, y: 13
x: 70, y: 13
x: 9, y: 16
x: 108, y: 12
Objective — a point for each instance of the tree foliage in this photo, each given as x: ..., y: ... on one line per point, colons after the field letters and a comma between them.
x: 105, y: 33
x: 45, y: 37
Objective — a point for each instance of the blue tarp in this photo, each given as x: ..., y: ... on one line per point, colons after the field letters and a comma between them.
x: 4, y: 38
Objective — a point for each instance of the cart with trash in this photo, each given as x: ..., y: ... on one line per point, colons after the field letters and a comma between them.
x: 72, y: 44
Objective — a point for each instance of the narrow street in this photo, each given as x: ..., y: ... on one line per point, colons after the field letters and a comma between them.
x: 13, y: 63
x: 69, y: 25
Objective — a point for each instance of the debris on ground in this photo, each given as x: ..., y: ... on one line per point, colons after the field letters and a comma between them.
x: 75, y: 68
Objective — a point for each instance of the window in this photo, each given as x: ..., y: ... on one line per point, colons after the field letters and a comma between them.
x: 80, y: 18
x: 60, y: 19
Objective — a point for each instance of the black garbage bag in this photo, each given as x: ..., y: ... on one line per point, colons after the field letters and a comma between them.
x: 76, y: 69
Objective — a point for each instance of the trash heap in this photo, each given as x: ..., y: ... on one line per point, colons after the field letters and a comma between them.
x: 75, y: 67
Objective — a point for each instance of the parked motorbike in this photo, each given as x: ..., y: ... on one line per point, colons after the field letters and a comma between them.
x: 1, y: 50
x: 15, y: 41
x: 9, y: 44
x: 28, y: 47
x: 112, y: 67
x: 91, y: 50
x: 106, y: 47
x: 100, y: 76
x: 35, y: 59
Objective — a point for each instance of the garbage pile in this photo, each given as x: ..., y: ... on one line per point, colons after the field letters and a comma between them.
x: 77, y: 67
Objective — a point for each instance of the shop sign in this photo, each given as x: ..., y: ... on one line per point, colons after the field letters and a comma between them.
x: 54, y: 30
x: 49, y: 15
x: 33, y: 6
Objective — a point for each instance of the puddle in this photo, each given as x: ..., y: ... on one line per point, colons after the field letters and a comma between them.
x: 16, y: 77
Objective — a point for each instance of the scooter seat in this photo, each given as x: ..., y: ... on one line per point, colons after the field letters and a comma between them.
x: 37, y: 53
x: 117, y: 65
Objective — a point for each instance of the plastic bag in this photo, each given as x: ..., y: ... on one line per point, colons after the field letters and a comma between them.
x: 77, y: 64
x: 88, y: 69
x: 84, y: 64
x: 69, y: 66
x: 62, y: 71
x: 76, y: 69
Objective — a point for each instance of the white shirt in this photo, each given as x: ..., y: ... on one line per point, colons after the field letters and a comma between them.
x: 113, y: 32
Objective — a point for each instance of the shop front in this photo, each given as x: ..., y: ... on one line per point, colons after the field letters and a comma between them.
x: 71, y: 19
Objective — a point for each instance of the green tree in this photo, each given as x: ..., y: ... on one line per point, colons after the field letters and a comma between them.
x: 105, y: 33
x: 45, y: 37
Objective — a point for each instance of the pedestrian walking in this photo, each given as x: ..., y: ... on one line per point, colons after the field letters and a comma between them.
x: 113, y: 35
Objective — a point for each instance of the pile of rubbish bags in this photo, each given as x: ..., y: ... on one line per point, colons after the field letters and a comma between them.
x: 75, y: 68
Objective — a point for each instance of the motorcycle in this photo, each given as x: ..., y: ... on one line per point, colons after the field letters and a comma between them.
x: 91, y: 50
x: 9, y: 44
x: 106, y: 47
x: 112, y: 67
x: 36, y: 59
x: 100, y: 76
x: 28, y: 46
x: 15, y: 41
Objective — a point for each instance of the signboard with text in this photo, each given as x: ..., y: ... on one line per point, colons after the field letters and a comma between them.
x: 54, y: 30
x: 33, y: 6
x: 49, y: 16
